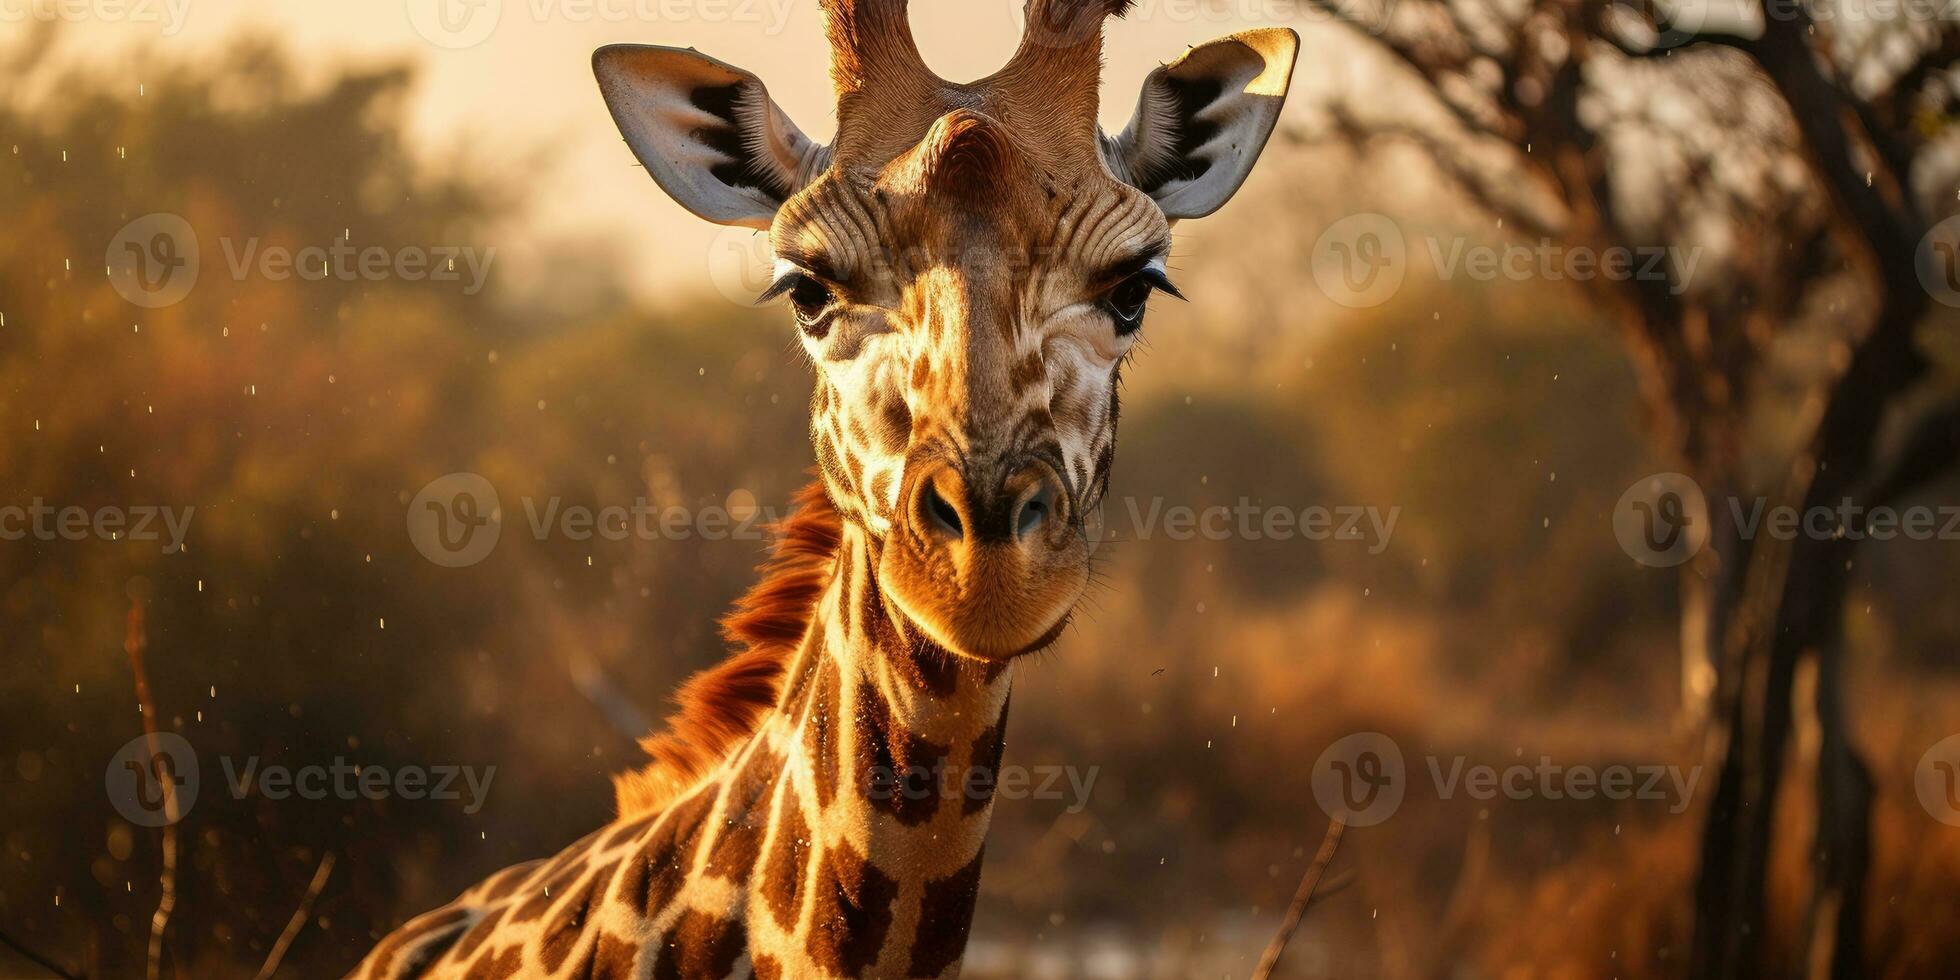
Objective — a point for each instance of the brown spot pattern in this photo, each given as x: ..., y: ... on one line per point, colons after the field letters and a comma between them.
x: 701, y: 947
x: 894, y: 426
x: 983, y: 775
x: 853, y: 912
x: 506, y: 881
x: 653, y: 874
x: 545, y: 893
x: 872, y: 618
x: 424, y: 938
x: 567, y: 923
x: 819, y: 734
x: 575, y: 854
x: 766, y: 968
x: 608, y: 959
x: 630, y: 832
x: 502, y: 966
x: 733, y: 854
x: 475, y: 938
x: 847, y: 574
x: 932, y: 669
x: 945, y: 914
x: 897, y: 771
x: 881, y: 484
x: 782, y: 875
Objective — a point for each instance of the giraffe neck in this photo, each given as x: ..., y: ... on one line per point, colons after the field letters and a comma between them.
x: 890, y: 748
x: 842, y: 839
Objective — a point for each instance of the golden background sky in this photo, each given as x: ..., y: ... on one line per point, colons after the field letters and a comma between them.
x: 527, y: 86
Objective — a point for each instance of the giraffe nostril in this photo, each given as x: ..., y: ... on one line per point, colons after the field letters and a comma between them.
x: 943, y: 515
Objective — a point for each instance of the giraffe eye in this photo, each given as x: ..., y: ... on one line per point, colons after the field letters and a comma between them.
x: 1127, y: 301
x: 807, y: 295
x: 810, y: 298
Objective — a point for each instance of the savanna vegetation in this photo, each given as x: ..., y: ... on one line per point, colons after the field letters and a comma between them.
x: 1498, y: 623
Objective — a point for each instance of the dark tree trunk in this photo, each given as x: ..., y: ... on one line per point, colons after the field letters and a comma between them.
x: 1841, y: 852
x: 1795, y: 590
x: 1792, y: 603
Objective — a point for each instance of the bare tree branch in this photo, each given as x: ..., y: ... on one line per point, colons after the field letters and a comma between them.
x: 1302, y: 897
x: 135, y: 641
x: 298, y: 921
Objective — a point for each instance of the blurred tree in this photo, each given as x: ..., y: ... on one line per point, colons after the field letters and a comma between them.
x: 1797, y: 146
x: 291, y: 418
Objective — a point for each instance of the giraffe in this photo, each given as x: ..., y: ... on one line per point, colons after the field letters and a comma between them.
x: 968, y: 266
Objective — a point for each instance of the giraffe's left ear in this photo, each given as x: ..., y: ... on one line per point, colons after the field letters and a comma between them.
x: 707, y: 131
x: 1203, y: 119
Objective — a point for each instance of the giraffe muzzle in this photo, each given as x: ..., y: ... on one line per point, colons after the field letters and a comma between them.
x: 1021, y: 509
x: 988, y: 560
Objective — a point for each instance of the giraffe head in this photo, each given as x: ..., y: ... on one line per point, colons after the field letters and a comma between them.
x: 969, y: 266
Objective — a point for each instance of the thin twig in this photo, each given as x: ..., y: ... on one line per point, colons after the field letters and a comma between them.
x: 133, y: 644
x: 298, y: 921
x: 1301, y: 899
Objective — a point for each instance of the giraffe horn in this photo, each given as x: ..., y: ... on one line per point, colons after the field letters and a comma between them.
x: 871, y: 46
x: 1060, y: 51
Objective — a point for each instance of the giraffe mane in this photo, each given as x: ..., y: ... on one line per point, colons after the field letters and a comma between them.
x: 720, y: 707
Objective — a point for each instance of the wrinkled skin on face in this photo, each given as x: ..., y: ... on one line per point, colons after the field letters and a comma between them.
x: 959, y: 311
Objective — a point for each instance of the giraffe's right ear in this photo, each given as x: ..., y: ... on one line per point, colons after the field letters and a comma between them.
x: 706, y: 131
x: 1203, y: 119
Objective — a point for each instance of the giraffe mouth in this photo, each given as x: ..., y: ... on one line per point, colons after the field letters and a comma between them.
x: 989, y: 575
x: 999, y: 616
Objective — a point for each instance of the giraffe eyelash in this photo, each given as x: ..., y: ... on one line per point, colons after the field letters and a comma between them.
x: 786, y: 276
x: 1127, y: 301
x: 1160, y: 279
x: 811, y: 297
x: 1152, y: 271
